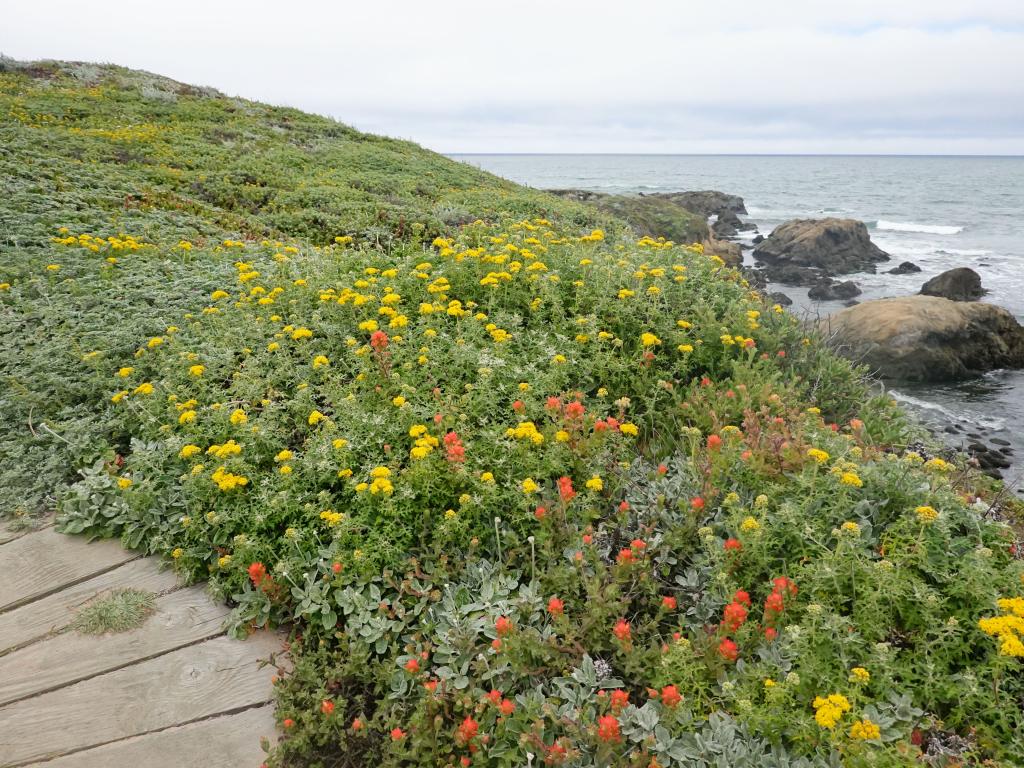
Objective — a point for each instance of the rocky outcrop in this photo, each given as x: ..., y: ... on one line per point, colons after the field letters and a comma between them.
x: 831, y: 290
x: 905, y: 268
x: 707, y: 202
x: 927, y: 338
x: 791, y: 274
x: 830, y: 246
x: 960, y: 284
x: 646, y: 214
x: 730, y: 253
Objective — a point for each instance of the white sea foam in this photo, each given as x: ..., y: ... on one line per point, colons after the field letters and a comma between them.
x: 962, y: 416
x: 909, y: 226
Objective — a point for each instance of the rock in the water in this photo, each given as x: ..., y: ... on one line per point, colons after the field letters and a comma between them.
x: 791, y: 274
x: 706, y: 202
x: 830, y: 290
x: 927, y: 338
x: 905, y: 268
x: 835, y: 246
x: 780, y: 298
x: 758, y: 239
x: 756, y: 278
x: 723, y: 229
x: 960, y: 284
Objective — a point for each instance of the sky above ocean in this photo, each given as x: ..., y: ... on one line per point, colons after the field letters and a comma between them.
x: 801, y: 76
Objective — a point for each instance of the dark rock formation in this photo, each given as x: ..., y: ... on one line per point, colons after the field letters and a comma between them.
x: 780, y: 298
x: 960, y: 284
x: 830, y: 290
x: 905, y: 268
x: 834, y: 246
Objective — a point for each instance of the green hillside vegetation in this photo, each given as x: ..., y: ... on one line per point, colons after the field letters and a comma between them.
x: 515, y: 482
x: 105, y: 150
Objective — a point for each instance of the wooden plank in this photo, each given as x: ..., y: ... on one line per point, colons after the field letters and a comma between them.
x: 229, y: 741
x: 44, y: 561
x: 214, y: 677
x: 31, y: 622
x: 7, y: 533
x: 181, y: 618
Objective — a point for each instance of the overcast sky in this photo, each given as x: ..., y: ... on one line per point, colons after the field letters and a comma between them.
x: 901, y: 76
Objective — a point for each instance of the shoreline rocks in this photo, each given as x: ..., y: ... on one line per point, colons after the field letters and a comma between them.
x: 707, y: 202
x: 927, y: 338
x: 959, y: 284
x: 905, y: 268
x: 831, y: 290
x: 829, y: 246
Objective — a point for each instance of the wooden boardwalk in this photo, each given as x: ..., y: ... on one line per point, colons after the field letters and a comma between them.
x: 175, y: 691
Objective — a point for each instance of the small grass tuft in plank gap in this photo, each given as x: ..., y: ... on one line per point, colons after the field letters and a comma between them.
x: 117, y: 611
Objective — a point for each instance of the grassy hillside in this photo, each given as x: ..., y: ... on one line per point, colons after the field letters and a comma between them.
x: 517, y: 486
x: 103, y: 150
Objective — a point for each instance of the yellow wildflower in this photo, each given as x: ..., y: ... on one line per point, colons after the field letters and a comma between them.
x: 865, y: 730
x: 818, y: 455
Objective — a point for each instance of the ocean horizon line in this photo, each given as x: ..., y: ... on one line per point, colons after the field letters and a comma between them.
x: 726, y: 154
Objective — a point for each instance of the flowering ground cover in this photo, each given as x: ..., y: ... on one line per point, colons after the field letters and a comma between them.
x: 524, y: 489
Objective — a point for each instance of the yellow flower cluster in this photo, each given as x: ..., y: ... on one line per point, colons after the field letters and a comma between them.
x: 865, y: 730
x: 851, y: 479
x: 818, y: 455
x: 380, y: 482
x: 1008, y: 628
x: 424, y: 442
x: 859, y: 675
x: 527, y: 430
x: 331, y: 518
x: 226, y: 481
x: 829, y: 711
x: 95, y: 244
x: 926, y: 515
x: 189, y: 451
x: 224, y: 450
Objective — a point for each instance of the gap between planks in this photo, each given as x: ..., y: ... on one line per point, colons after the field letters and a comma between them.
x: 222, y: 741
x: 200, y: 681
x: 180, y: 619
x: 44, y: 562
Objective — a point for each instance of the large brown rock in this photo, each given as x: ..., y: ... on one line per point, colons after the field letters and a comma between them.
x: 730, y: 253
x: 833, y: 246
x: 927, y: 338
x: 960, y: 284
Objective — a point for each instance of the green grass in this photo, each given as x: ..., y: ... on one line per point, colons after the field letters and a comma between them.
x: 118, y: 611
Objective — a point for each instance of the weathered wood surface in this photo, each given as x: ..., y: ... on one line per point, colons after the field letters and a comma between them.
x: 211, y: 678
x: 228, y: 741
x: 42, y: 562
x: 37, y: 619
x: 180, y: 618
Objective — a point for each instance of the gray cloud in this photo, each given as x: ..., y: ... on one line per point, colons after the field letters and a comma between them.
x: 648, y: 76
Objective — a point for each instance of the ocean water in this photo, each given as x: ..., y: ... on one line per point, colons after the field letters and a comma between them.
x: 938, y: 212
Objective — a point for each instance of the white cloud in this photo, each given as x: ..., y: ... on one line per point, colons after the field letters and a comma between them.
x: 650, y: 75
